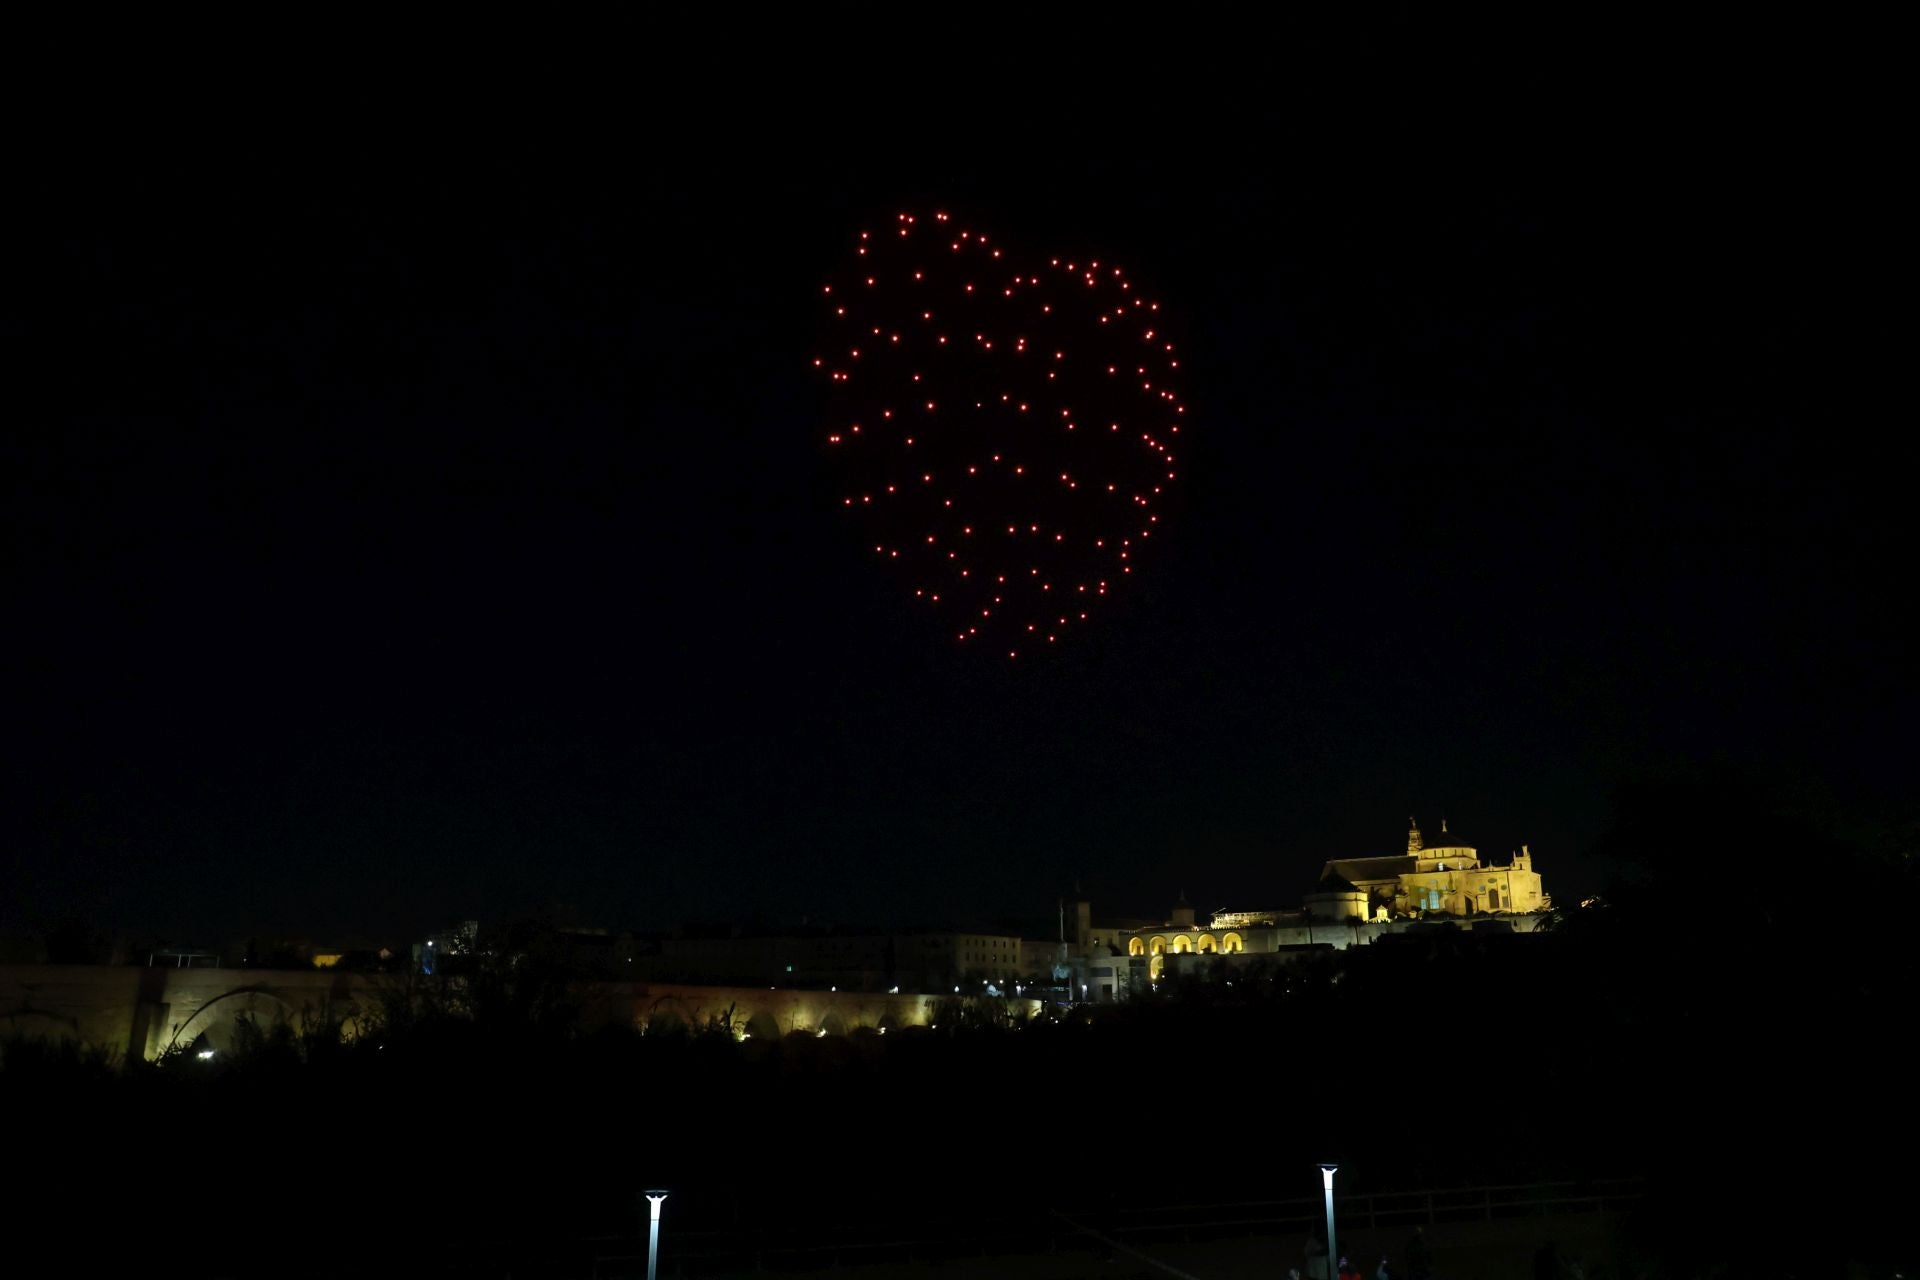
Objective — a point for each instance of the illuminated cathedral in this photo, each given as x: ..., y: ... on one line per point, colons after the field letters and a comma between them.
x: 1356, y: 901
x: 1444, y: 878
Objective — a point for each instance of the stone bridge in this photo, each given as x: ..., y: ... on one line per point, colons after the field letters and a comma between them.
x: 144, y: 1012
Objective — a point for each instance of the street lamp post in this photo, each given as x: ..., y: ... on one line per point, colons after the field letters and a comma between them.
x: 654, y: 1201
x: 1333, y: 1251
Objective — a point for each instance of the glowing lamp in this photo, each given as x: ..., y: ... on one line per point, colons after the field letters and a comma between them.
x: 654, y: 1200
x: 1326, y: 1182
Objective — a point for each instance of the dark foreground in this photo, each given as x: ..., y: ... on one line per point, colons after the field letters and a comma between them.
x: 1746, y: 1069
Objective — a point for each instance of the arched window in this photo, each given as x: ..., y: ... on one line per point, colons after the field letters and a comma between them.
x: 1135, y: 947
x: 1155, y: 966
x: 1158, y: 947
x: 1205, y: 945
x: 1182, y: 944
x: 1231, y: 944
x: 1493, y: 899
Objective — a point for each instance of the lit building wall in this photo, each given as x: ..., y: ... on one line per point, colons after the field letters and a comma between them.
x: 942, y: 961
x: 1447, y: 878
x: 143, y: 1012
x: 1038, y: 958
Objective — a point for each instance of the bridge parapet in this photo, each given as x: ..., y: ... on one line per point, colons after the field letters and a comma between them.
x: 144, y: 1012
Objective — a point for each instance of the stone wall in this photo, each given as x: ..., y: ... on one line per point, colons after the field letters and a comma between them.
x: 144, y: 1012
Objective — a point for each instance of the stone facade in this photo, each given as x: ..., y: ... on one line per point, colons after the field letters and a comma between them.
x: 1356, y: 901
x: 142, y: 1013
x: 1446, y: 878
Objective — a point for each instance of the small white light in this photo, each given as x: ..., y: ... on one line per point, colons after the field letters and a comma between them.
x: 205, y: 1054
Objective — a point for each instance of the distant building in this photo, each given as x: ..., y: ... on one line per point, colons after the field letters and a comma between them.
x: 930, y: 961
x: 429, y: 955
x: 1444, y: 878
x: 1356, y: 901
x: 353, y: 952
x: 935, y: 961
x: 855, y: 960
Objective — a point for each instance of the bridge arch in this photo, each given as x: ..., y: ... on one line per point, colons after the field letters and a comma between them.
x: 216, y: 1023
x: 669, y: 1014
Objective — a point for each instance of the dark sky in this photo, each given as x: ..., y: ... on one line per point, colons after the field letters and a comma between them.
x: 415, y: 505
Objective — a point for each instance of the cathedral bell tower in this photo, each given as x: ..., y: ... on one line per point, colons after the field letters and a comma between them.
x: 1183, y: 912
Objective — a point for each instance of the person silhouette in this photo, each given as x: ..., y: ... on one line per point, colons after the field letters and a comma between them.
x: 1316, y: 1257
x: 1419, y: 1257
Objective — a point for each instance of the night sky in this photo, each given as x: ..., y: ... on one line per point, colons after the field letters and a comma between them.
x: 416, y: 506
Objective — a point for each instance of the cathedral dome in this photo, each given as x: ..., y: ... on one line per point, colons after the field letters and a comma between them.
x: 1445, y: 839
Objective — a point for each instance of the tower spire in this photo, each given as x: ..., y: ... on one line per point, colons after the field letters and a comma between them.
x: 1414, y: 843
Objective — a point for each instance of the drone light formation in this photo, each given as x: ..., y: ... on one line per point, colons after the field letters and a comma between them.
x: 1006, y: 435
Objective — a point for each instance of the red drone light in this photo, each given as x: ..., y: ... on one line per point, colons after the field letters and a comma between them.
x: 1011, y: 422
